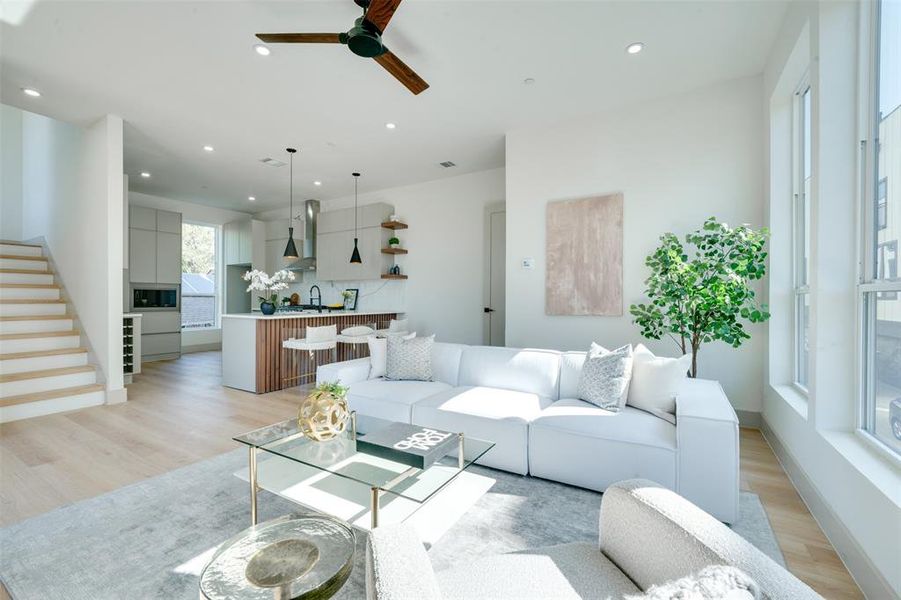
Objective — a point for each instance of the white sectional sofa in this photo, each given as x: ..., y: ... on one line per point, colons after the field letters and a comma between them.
x: 525, y: 401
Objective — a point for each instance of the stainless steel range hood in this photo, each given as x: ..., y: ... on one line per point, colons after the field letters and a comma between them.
x: 307, y: 262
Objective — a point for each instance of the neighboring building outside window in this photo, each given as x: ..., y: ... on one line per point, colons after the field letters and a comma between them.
x: 880, y: 298
x: 199, y: 289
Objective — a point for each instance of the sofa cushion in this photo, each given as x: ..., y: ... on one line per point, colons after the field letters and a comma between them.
x: 533, y: 371
x: 446, y: 362
x: 578, y: 443
x: 497, y: 415
x: 563, y: 572
x: 570, y: 372
x: 390, y: 400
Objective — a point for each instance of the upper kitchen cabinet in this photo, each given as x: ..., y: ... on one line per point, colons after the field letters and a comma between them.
x: 335, y: 243
x: 238, y: 242
x: 154, y: 245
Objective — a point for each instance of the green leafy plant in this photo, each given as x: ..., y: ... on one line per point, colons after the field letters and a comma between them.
x: 394, y: 242
x: 332, y: 387
x: 700, y: 291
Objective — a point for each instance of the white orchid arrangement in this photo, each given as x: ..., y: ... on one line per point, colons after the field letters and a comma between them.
x: 260, y: 281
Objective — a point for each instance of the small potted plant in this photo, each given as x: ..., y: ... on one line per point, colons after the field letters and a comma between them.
x: 394, y: 242
x: 323, y: 414
x: 260, y: 281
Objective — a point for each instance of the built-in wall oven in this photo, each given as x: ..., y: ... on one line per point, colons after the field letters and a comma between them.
x: 150, y: 297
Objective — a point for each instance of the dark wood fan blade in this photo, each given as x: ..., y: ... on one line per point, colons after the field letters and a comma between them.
x: 300, y: 38
x: 402, y: 72
x: 380, y: 12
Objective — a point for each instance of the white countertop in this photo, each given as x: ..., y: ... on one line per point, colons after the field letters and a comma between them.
x: 310, y: 314
x: 132, y: 315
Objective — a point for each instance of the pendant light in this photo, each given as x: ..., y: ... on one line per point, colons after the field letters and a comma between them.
x: 355, y: 255
x: 290, y: 255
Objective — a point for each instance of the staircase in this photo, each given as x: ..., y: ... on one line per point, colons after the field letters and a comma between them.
x: 43, y: 366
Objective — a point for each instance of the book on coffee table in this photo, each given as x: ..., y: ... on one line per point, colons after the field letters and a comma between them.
x: 411, y: 445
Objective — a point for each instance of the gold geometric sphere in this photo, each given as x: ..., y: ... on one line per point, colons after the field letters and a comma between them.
x: 322, y: 415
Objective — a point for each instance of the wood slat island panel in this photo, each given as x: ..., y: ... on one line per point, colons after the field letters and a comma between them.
x: 276, y: 364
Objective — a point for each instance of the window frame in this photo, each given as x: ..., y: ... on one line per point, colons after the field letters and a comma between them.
x: 800, y: 231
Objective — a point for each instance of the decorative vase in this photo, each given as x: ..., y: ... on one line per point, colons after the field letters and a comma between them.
x: 267, y: 308
x: 323, y: 415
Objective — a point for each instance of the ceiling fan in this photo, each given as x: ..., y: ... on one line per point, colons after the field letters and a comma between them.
x: 364, y: 39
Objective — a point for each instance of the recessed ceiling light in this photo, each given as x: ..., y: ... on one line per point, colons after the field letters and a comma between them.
x: 317, y: 183
x: 252, y: 198
x: 634, y: 48
x: 31, y: 92
x: 145, y: 174
x: 262, y: 50
x: 208, y: 148
x: 529, y: 80
x: 390, y: 126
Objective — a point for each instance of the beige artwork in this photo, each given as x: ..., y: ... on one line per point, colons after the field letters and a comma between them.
x: 585, y: 256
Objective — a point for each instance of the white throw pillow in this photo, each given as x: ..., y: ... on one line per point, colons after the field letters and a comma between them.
x: 410, y: 359
x: 656, y: 380
x: 357, y: 330
x: 398, y: 325
x: 605, y: 375
x: 378, y: 355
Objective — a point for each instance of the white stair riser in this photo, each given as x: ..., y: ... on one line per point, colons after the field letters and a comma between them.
x: 39, y: 363
x: 35, y: 326
x: 45, y: 384
x: 37, y: 344
x: 26, y: 293
x: 30, y: 265
x: 38, y: 309
x: 47, y: 407
x: 26, y: 278
x: 21, y: 250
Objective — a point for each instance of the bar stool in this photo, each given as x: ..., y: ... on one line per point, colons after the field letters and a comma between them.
x: 395, y: 327
x: 357, y: 341
x: 316, y: 340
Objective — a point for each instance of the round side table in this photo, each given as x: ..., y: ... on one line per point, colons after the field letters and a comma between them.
x: 289, y: 558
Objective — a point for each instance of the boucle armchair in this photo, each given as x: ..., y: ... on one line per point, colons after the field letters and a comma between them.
x: 653, y: 544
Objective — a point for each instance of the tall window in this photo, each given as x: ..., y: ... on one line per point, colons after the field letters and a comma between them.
x: 881, y: 339
x: 801, y: 172
x: 199, y: 292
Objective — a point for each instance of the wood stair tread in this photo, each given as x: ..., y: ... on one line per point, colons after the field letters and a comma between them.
x: 38, y: 318
x: 38, y: 334
x: 44, y: 286
x: 77, y: 390
x: 24, y: 257
x: 40, y: 353
x: 26, y: 244
x: 27, y: 271
x: 46, y: 373
x: 31, y: 301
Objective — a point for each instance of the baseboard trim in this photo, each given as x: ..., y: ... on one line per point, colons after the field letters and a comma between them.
x: 862, y: 570
x: 749, y: 418
x: 201, y: 347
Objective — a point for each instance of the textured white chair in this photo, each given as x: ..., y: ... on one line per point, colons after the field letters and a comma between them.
x: 356, y: 340
x: 316, y: 340
x: 395, y: 327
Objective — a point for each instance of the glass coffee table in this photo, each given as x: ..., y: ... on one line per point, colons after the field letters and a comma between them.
x: 334, y: 471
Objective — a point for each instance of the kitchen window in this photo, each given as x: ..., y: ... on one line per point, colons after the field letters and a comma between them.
x: 199, y: 283
x: 801, y: 176
x: 880, y: 376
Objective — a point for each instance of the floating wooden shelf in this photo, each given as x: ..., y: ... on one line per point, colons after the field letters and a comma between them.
x: 390, y: 276
x: 394, y: 250
x: 394, y: 225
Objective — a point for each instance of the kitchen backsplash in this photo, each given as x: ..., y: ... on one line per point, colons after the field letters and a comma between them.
x: 373, y: 295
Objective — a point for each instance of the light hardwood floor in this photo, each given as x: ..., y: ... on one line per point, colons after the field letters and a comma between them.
x: 178, y: 413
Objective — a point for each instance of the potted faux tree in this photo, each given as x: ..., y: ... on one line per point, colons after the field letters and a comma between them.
x: 700, y: 291
x: 394, y: 242
x: 268, y: 286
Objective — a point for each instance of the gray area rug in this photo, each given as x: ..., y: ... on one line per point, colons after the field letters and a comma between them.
x: 147, y: 540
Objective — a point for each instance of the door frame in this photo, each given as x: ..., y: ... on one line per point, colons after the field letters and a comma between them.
x: 490, y: 209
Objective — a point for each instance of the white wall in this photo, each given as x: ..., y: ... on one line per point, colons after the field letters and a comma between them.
x: 677, y: 161
x: 446, y: 240
x: 10, y: 173
x: 72, y: 198
x: 204, y: 339
x: 853, y: 490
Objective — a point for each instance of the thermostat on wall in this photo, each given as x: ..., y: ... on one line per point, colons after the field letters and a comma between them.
x: 528, y: 263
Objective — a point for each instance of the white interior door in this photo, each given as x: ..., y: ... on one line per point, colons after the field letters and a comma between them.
x: 495, y: 301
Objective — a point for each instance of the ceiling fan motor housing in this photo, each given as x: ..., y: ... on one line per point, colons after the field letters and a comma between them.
x: 363, y: 40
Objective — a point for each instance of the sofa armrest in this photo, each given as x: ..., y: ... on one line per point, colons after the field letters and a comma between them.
x: 397, y: 566
x: 707, y: 443
x: 655, y: 536
x: 346, y: 372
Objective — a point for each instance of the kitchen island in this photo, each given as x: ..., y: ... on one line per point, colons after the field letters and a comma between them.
x: 252, y: 355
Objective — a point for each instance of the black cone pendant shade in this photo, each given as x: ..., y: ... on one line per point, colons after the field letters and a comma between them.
x: 291, y: 254
x: 355, y: 255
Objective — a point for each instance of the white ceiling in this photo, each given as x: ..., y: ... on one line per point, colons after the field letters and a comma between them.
x: 184, y: 74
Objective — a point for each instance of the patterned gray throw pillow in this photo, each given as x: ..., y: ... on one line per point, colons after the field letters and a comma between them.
x: 410, y: 359
x: 605, y: 376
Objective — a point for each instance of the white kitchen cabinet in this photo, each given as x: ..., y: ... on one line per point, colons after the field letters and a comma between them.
x: 142, y: 255
x: 160, y: 345
x: 335, y: 242
x: 141, y: 217
x: 275, y: 250
x: 161, y: 321
x: 238, y: 242
x: 169, y: 222
x: 168, y: 257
